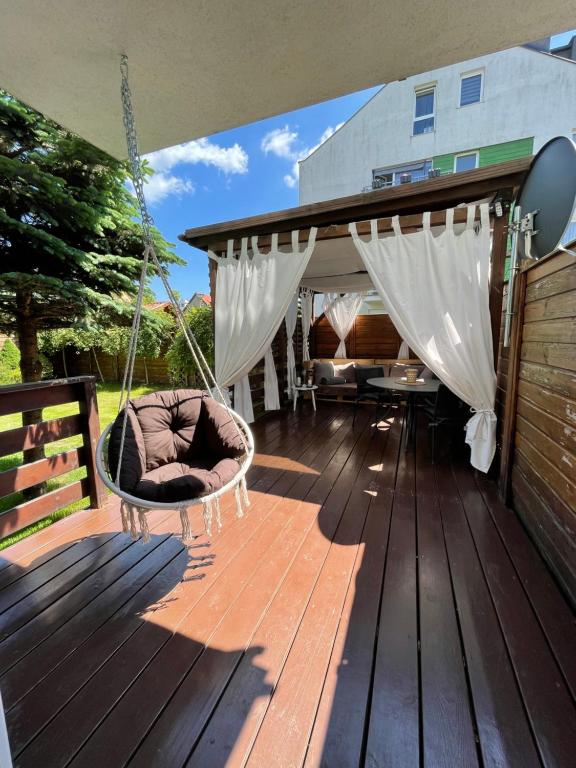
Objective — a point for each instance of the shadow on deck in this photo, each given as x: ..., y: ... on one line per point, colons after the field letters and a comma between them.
x: 371, y: 609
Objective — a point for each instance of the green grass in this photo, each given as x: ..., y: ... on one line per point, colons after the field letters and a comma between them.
x: 108, y: 396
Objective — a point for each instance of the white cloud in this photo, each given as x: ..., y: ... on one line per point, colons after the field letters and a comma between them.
x: 283, y: 142
x: 229, y: 160
x: 162, y: 185
x: 280, y: 142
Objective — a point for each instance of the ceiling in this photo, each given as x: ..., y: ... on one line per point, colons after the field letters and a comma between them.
x: 198, y: 67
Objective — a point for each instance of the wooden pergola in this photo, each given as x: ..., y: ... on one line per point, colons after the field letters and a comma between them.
x: 497, y: 182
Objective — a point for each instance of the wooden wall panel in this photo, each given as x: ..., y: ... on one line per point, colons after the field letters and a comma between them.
x: 371, y: 336
x: 543, y: 486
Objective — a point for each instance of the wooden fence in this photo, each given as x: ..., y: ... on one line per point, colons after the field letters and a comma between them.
x: 537, y: 392
x: 372, y: 336
x: 19, y: 398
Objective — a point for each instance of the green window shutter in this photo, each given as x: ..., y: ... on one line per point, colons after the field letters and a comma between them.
x: 501, y: 153
x: 444, y: 163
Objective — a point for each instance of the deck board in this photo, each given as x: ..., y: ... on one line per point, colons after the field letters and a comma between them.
x: 371, y: 609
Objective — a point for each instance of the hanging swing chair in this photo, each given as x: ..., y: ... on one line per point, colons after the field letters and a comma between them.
x: 176, y: 449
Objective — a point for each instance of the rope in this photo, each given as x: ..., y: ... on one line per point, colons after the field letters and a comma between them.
x: 149, y: 251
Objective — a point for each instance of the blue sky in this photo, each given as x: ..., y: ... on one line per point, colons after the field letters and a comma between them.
x: 238, y: 173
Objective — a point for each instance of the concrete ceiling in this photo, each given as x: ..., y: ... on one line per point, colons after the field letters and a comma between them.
x: 202, y: 66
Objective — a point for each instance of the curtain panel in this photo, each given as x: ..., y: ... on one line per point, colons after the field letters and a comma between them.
x: 253, y: 293
x: 306, y: 311
x: 290, y: 321
x: 341, y: 312
x: 436, y: 289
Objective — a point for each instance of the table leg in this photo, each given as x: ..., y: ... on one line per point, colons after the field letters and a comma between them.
x: 313, y: 399
x: 295, y: 398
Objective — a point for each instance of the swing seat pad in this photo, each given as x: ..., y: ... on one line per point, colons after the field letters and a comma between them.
x: 178, y: 481
x: 179, y: 445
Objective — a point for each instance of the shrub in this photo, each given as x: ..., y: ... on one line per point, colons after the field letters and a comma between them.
x: 9, y: 363
x: 181, y: 365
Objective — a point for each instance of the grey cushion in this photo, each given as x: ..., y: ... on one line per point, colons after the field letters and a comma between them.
x: 323, y: 371
x: 335, y: 380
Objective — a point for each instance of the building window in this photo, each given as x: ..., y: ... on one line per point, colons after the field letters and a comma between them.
x: 424, y: 111
x: 470, y: 89
x: 401, y: 174
x: 466, y: 162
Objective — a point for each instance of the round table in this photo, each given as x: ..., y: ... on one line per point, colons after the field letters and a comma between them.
x: 426, y: 387
x: 304, y: 388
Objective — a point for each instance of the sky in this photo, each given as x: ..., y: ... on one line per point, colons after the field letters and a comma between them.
x: 243, y: 172
x: 250, y: 170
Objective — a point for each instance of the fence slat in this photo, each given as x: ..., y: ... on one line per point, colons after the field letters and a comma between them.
x: 31, y: 511
x: 26, y: 475
x: 23, y: 438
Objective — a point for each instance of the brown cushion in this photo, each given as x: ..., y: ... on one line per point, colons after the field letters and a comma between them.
x: 134, y: 453
x: 178, y: 481
x: 181, y: 428
x: 218, y: 431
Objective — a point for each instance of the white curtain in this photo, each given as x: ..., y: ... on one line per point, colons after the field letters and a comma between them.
x: 291, y: 317
x: 341, y: 312
x: 253, y: 293
x: 306, y: 310
x: 271, y: 395
x: 436, y: 290
x: 404, y: 351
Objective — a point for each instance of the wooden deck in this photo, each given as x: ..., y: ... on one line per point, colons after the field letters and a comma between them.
x: 371, y: 609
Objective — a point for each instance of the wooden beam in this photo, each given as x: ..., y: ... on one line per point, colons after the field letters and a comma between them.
x: 514, y: 358
x: 405, y: 199
x: 91, y: 435
x: 408, y: 224
x: 499, y: 246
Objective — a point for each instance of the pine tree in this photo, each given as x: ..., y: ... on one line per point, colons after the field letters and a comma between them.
x: 70, y: 242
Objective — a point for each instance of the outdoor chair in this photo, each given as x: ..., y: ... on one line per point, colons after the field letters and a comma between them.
x: 447, y: 410
x: 366, y: 393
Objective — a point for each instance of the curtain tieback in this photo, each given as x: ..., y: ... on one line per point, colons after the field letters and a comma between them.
x: 481, y: 410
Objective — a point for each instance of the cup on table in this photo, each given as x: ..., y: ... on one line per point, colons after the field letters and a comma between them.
x: 411, y: 375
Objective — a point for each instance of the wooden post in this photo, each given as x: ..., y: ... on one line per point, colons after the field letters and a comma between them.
x: 509, y: 426
x: 499, y: 247
x: 91, y: 434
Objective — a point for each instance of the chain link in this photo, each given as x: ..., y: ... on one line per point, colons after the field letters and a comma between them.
x: 133, y: 153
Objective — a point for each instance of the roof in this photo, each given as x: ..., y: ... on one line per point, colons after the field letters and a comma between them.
x: 202, y: 63
x: 155, y: 306
x: 333, y: 216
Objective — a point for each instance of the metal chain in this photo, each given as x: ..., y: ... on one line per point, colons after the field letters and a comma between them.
x: 133, y: 153
x: 135, y: 161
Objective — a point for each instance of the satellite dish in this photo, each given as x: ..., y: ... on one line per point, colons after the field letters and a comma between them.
x: 547, y: 198
x: 543, y: 209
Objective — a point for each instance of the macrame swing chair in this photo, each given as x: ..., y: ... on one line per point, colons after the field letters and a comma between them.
x: 178, y: 449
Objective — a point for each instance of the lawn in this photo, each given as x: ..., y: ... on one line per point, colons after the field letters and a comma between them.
x: 108, y: 396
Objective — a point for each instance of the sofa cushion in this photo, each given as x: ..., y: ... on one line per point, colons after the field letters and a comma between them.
x: 178, y: 481
x: 334, y: 380
x: 347, y: 370
x: 426, y: 373
x: 323, y: 370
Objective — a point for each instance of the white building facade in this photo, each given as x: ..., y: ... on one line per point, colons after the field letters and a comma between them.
x: 476, y: 113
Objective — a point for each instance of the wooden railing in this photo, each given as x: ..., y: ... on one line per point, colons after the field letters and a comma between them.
x: 19, y: 398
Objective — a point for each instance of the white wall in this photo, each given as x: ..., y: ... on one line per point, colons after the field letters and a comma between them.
x: 526, y: 93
